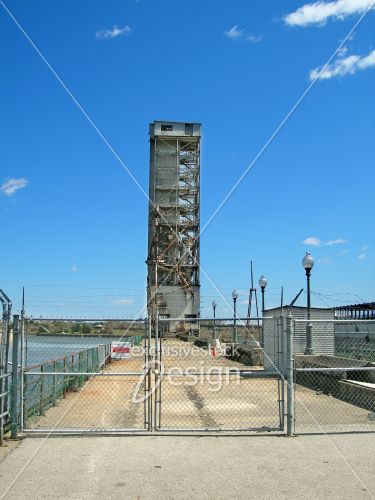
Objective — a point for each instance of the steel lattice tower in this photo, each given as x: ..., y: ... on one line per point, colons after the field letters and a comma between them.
x: 174, y: 225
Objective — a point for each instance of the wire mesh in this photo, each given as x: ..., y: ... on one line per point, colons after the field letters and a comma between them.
x: 335, y: 385
x: 241, y: 343
x: 63, y: 384
x: 76, y: 386
x: 355, y: 348
x: 219, y: 397
x: 100, y: 403
x: 43, y: 391
x: 335, y: 401
x: 212, y: 401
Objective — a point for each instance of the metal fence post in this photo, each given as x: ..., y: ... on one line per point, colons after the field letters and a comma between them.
x: 290, y: 376
x: 157, y: 399
x: 2, y: 396
x: 54, y: 396
x: 149, y: 398
x: 64, y: 378
x: 41, y: 391
x: 14, y: 393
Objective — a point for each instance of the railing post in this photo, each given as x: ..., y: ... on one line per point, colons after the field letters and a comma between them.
x: 64, y: 378
x: 22, y: 377
x: 149, y: 398
x: 290, y: 377
x: 80, y: 368
x: 157, y: 422
x: 54, y: 397
x: 41, y: 392
x: 14, y: 392
x: 2, y: 396
x: 73, y: 381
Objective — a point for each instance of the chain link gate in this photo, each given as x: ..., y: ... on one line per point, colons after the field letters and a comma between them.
x: 229, y: 378
x: 169, y: 383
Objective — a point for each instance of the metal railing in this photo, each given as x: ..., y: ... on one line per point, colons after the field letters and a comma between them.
x: 46, y: 383
x: 4, y: 411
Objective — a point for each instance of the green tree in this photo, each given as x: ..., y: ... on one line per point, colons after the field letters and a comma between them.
x: 76, y: 328
x: 86, y: 328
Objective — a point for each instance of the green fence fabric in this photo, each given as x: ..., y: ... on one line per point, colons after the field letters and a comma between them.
x: 43, y: 391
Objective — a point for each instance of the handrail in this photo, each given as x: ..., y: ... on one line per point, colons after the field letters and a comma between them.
x: 55, y: 360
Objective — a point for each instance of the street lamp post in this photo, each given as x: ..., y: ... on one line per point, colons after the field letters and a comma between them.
x: 308, y: 264
x: 262, y: 284
x: 234, y: 297
x: 214, y: 304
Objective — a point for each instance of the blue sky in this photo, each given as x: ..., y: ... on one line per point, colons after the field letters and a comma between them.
x: 73, y: 228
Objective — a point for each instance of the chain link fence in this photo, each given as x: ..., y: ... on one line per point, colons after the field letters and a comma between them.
x: 71, y: 381
x: 210, y: 377
x: 335, y: 392
x: 222, y: 375
x: 50, y: 384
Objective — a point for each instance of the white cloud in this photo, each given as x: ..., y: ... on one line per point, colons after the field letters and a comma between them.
x: 312, y: 241
x: 342, y: 252
x: 339, y: 241
x: 342, y: 51
x: 114, y: 32
x: 13, y: 185
x: 253, y: 38
x: 319, y: 13
x: 74, y: 269
x: 344, y: 66
x: 316, y: 242
x: 236, y: 34
x: 363, y: 253
x: 124, y: 301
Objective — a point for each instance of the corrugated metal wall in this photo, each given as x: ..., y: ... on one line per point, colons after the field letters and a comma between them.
x: 323, y: 334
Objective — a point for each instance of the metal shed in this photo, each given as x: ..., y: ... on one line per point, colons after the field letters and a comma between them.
x: 275, y: 350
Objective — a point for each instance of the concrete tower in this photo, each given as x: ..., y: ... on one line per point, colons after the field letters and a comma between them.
x: 173, y: 228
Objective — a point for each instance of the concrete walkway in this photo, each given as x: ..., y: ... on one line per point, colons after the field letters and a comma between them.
x: 184, y: 467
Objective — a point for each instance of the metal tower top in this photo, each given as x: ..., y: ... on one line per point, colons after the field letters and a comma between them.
x: 175, y: 129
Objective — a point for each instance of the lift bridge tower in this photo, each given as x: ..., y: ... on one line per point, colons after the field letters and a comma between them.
x: 173, y: 223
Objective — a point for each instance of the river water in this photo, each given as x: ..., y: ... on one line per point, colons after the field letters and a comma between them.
x: 46, y: 348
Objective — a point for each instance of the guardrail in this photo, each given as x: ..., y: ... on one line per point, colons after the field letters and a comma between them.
x: 4, y: 407
x: 42, y: 387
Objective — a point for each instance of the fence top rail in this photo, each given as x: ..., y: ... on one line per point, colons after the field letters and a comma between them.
x: 65, y: 357
x: 341, y: 321
x: 217, y: 371
x: 5, y: 375
x: 139, y: 320
x: 87, y: 374
x: 201, y: 320
x: 86, y: 320
x: 341, y: 369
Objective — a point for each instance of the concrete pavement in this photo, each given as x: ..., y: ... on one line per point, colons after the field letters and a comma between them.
x: 185, y: 467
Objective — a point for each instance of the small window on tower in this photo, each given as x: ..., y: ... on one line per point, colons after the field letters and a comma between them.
x: 166, y: 128
x: 188, y: 129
